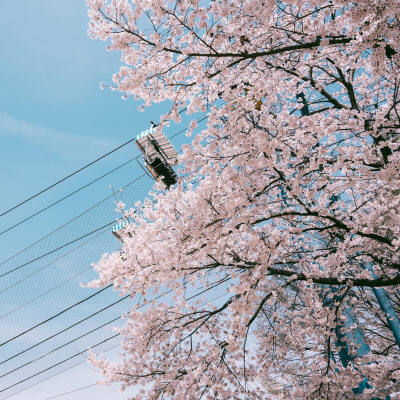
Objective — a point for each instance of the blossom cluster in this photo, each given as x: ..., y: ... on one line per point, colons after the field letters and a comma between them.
x: 287, y: 196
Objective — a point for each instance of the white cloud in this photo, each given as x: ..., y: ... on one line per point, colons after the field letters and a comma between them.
x: 53, y: 140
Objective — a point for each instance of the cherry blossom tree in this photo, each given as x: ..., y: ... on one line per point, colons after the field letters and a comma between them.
x: 288, y: 203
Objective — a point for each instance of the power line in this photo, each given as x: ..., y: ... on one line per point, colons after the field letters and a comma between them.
x: 71, y: 391
x: 43, y: 255
x: 75, y: 172
x: 72, y: 241
x: 87, y: 210
x: 60, y: 362
x: 68, y: 222
x: 59, y: 347
x: 67, y: 196
x: 56, y: 249
x: 46, y: 292
x: 67, y: 177
x: 55, y: 315
x: 64, y: 330
x: 111, y: 337
x: 88, y: 317
x: 101, y: 326
x: 44, y: 267
x: 56, y: 374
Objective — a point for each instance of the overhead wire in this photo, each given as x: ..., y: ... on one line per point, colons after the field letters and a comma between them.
x: 58, y: 363
x: 48, y: 265
x: 65, y: 330
x: 66, y: 223
x: 109, y: 338
x: 62, y: 226
x: 64, y: 245
x: 72, y: 174
x: 45, y: 292
x: 71, y: 391
x: 56, y: 374
x: 66, y: 177
x: 60, y: 347
x: 54, y: 316
x: 43, y: 255
x: 56, y: 249
x: 78, y: 216
x: 71, y: 220
x: 91, y: 331
x: 68, y: 195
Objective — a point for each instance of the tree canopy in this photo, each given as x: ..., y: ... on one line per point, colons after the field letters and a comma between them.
x: 287, y: 205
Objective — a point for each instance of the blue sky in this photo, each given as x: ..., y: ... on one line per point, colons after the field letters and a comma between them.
x: 54, y: 119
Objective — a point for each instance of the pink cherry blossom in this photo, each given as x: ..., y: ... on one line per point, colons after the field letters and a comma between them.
x: 291, y: 190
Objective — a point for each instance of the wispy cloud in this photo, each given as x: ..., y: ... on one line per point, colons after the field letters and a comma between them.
x: 51, y: 139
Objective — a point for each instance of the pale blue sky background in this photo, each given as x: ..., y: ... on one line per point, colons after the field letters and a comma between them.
x: 53, y: 119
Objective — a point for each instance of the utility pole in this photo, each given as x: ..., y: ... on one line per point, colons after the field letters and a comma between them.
x: 356, y: 337
x: 387, y: 307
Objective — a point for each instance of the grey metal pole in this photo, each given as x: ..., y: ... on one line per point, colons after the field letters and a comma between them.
x: 390, y: 313
x: 386, y: 306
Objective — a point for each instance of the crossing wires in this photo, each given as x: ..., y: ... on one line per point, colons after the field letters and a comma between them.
x: 77, y: 171
x: 93, y: 215
x: 66, y: 177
